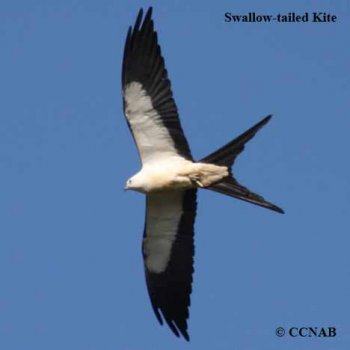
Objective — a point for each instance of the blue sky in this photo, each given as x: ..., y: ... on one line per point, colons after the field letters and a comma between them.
x: 70, y: 259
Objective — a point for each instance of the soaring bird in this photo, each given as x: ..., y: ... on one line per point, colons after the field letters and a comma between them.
x: 169, y: 176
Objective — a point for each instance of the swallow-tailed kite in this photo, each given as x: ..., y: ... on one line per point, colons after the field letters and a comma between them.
x: 169, y: 176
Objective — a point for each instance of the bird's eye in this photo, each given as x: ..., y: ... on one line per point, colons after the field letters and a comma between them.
x: 129, y: 182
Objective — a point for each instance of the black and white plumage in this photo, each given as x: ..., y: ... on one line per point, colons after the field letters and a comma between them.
x: 169, y: 177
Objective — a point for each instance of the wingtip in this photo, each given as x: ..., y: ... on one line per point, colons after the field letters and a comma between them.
x: 184, y: 333
x: 174, y: 327
x: 186, y: 337
x: 139, y: 17
x: 149, y: 12
x: 157, y: 313
x: 148, y: 17
x: 138, y: 20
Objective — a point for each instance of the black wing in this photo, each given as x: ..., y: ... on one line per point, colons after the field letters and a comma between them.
x: 149, y: 105
x: 168, y: 252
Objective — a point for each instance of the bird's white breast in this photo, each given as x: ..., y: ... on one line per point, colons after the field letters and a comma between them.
x: 177, y: 173
x: 166, y: 175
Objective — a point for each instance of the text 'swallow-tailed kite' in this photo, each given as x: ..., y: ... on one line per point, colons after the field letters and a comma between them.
x: 169, y: 176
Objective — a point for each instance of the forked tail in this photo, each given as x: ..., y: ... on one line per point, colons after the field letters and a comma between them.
x: 226, y: 156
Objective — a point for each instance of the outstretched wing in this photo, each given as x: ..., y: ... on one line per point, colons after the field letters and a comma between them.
x: 168, y: 251
x: 149, y: 105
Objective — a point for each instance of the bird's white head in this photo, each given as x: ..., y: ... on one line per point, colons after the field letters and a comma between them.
x: 135, y: 183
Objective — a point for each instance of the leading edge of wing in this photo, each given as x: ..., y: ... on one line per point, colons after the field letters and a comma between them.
x: 144, y: 64
x: 170, y: 221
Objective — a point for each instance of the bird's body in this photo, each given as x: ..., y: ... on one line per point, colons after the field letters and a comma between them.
x: 176, y: 173
x: 169, y: 176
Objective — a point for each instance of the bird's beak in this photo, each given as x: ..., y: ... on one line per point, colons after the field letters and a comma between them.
x: 125, y: 188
